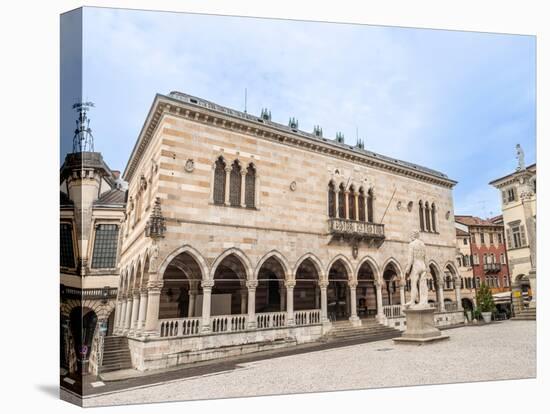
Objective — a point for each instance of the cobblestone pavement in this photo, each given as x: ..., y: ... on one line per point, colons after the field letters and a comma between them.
x: 505, y: 350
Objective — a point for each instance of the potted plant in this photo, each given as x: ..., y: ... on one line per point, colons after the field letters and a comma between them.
x: 485, y: 303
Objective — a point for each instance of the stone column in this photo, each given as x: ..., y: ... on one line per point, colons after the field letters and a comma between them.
x: 207, y: 286
x: 122, y: 314
x: 252, y: 285
x: 289, y: 284
x: 323, y: 284
x: 458, y: 293
x: 346, y: 204
x: 533, y: 285
x: 441, y: 297
x: 192, y: 300
x: 243, y: 184
x: 142, y: 309
x: 128, y: 316
x: 337, y: 203
x: 154, y: 288
x: 135, y: 311
x: 227, y: 179
x: 379, y: 310
x: 244, y: 305
x: 354, y: 319
x: 402, y: 283
x: 356, y: 206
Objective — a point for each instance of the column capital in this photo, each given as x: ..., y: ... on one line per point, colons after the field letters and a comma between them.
x: 352, y: 284
x: 290, y: 283
x: 136, y: 293
x: 323, y: 283
x: 377, y: 283
x: 244, y: 172
x: 227, y: 169
x: 251, y: 284
x: 207, y: 284
x: 155, y: 285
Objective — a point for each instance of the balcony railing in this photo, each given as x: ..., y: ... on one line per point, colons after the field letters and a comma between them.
x: 491, y: 267
x: 392, y: 311
x: 106, y: 292
x: 344, y: 227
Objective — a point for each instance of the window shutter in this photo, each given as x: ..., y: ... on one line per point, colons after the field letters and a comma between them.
x: 522, y: 235
x: 508, y: 238
x: 504, y: 197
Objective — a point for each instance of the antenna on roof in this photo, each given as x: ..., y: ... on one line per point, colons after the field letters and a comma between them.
x: 83, y: 140
x: 245, y: 100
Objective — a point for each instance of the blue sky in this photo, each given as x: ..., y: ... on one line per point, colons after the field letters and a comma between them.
x: 454, y: 101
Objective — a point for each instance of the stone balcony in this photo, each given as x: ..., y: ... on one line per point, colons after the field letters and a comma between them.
x: 355, y: 229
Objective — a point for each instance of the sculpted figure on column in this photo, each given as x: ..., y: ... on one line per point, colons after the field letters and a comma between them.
x: 416, y: 269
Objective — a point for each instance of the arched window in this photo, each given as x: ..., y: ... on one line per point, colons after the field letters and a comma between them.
x: 433, y: 218
x: 361, y: 204
x: 250, y: 187
x: 219, y: 182
x: 428, y: 218
x: 370, y: 206
x: 235, y: 184
x: 466, y: 260
x: 331, y: 200
x: 341, y: 202
x: 421, y: 215
x: 351, y: 204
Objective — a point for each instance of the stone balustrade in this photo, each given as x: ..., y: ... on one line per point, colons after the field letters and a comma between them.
x: 228, y: 323
x: 392, y: 311
x: 307, y: 317
x: 345, y: 227
x: 179, y: 327
x: 451, y: 306
x: 270, y: 320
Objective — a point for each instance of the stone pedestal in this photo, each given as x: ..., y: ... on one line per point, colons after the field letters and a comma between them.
x: 420, y: 327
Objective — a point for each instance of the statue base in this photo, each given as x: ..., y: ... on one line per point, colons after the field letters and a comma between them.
x: 420, y: 327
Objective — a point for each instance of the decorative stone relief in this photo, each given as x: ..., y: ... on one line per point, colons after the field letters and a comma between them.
x: 293, y: 186
x: 189, y: 165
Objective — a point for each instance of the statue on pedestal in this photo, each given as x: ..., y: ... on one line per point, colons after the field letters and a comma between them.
x: 520, y: 156
x: 417, y: 271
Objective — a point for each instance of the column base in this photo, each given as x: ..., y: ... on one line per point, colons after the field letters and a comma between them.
x: 290, y: 322
x: 355, y: 321
x: 251, y: 325
x: 150, y: 334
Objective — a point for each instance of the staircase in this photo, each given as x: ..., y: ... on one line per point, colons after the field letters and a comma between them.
x: 116, y: 354
x: 529, y: 314
x: 369, y: 331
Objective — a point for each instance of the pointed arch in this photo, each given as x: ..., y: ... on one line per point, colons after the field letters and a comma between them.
x: 316, y: 263
x: 432, y: 264
x: 240, y: 255
x: 275, y: 254
x: 194, y: 253
x: 331, y: 199
x: 397, y: 267
x: 347, y: 265
x: 373, y: 265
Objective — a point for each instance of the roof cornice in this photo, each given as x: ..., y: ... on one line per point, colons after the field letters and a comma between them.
x: 510, y: 178
x: 205, y: 112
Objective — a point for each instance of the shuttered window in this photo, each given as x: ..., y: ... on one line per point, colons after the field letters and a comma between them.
x: 331, y: 200
x: 235, y: 185
x: 250, y: 187
x: 219, y: 182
